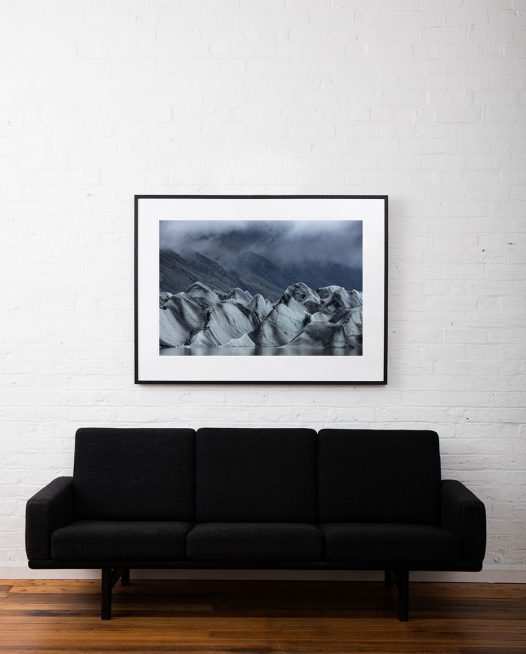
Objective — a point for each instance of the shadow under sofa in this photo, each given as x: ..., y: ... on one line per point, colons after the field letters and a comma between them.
x: 220, y: 498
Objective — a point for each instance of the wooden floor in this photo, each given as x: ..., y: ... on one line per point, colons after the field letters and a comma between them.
x: 263, y: 617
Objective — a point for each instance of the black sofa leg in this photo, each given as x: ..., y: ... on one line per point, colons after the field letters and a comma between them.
x: 109, y: 577
x: 125, y: 577
x: 105, y: 594
x: 403, y: 595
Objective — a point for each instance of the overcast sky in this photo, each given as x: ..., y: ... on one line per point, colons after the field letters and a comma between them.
x: 280, y: 241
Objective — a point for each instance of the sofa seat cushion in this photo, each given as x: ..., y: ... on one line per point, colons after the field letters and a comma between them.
x: 254, y: 541
x: 370, y: 543
x: 110, y: 540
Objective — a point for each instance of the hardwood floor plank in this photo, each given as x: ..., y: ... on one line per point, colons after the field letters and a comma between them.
x: 205, y: 617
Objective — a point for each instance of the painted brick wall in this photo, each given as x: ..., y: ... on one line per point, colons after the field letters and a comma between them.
x: 422, y: 100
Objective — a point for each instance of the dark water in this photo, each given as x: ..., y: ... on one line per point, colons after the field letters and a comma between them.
x: 284, y: 351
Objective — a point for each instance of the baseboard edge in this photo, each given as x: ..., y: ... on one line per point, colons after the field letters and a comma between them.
x: 19, y: 570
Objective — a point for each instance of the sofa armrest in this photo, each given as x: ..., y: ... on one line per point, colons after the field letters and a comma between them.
x: 465, y: 515
x: 47, y: 510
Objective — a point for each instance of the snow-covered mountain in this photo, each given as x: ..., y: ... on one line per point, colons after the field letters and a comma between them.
x: 328, y: 317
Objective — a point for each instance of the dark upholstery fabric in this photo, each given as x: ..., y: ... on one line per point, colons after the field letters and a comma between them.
x: 46, y: 511
x: 389, y: 543
x: 254, y: 541
x: 109, y: 540
x: 134, y: 474
x: 379, y: 476
x: 259, y: 494
x: 465, y: 515
x: 256, y: 475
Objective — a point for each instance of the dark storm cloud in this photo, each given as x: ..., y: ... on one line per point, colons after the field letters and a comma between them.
x: 282, y: 242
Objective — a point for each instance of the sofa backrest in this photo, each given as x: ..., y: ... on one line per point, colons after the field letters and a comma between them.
x: 367, y: 475
x: 256, y: 475
x: 134, y: 474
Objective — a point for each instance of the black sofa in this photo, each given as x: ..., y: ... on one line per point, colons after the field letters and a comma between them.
x: 253, y: 499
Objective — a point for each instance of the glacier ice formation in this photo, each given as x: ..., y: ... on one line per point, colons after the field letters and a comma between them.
x: 328, y: 317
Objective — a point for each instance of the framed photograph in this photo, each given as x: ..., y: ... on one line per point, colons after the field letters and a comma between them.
x: 261, y: 289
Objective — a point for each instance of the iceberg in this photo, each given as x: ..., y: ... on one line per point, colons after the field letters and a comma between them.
x: 328, y: 317
x: 240, y: 297
x: 242, y: 341
x: 180, y: 317
x: 282, y: 324
x: 224, y: 322
x: 203, y: 293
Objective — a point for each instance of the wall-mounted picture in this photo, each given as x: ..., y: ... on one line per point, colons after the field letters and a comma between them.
x: 260, y: 289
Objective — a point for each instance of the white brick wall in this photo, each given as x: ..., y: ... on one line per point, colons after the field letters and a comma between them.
x: 419, y: 99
